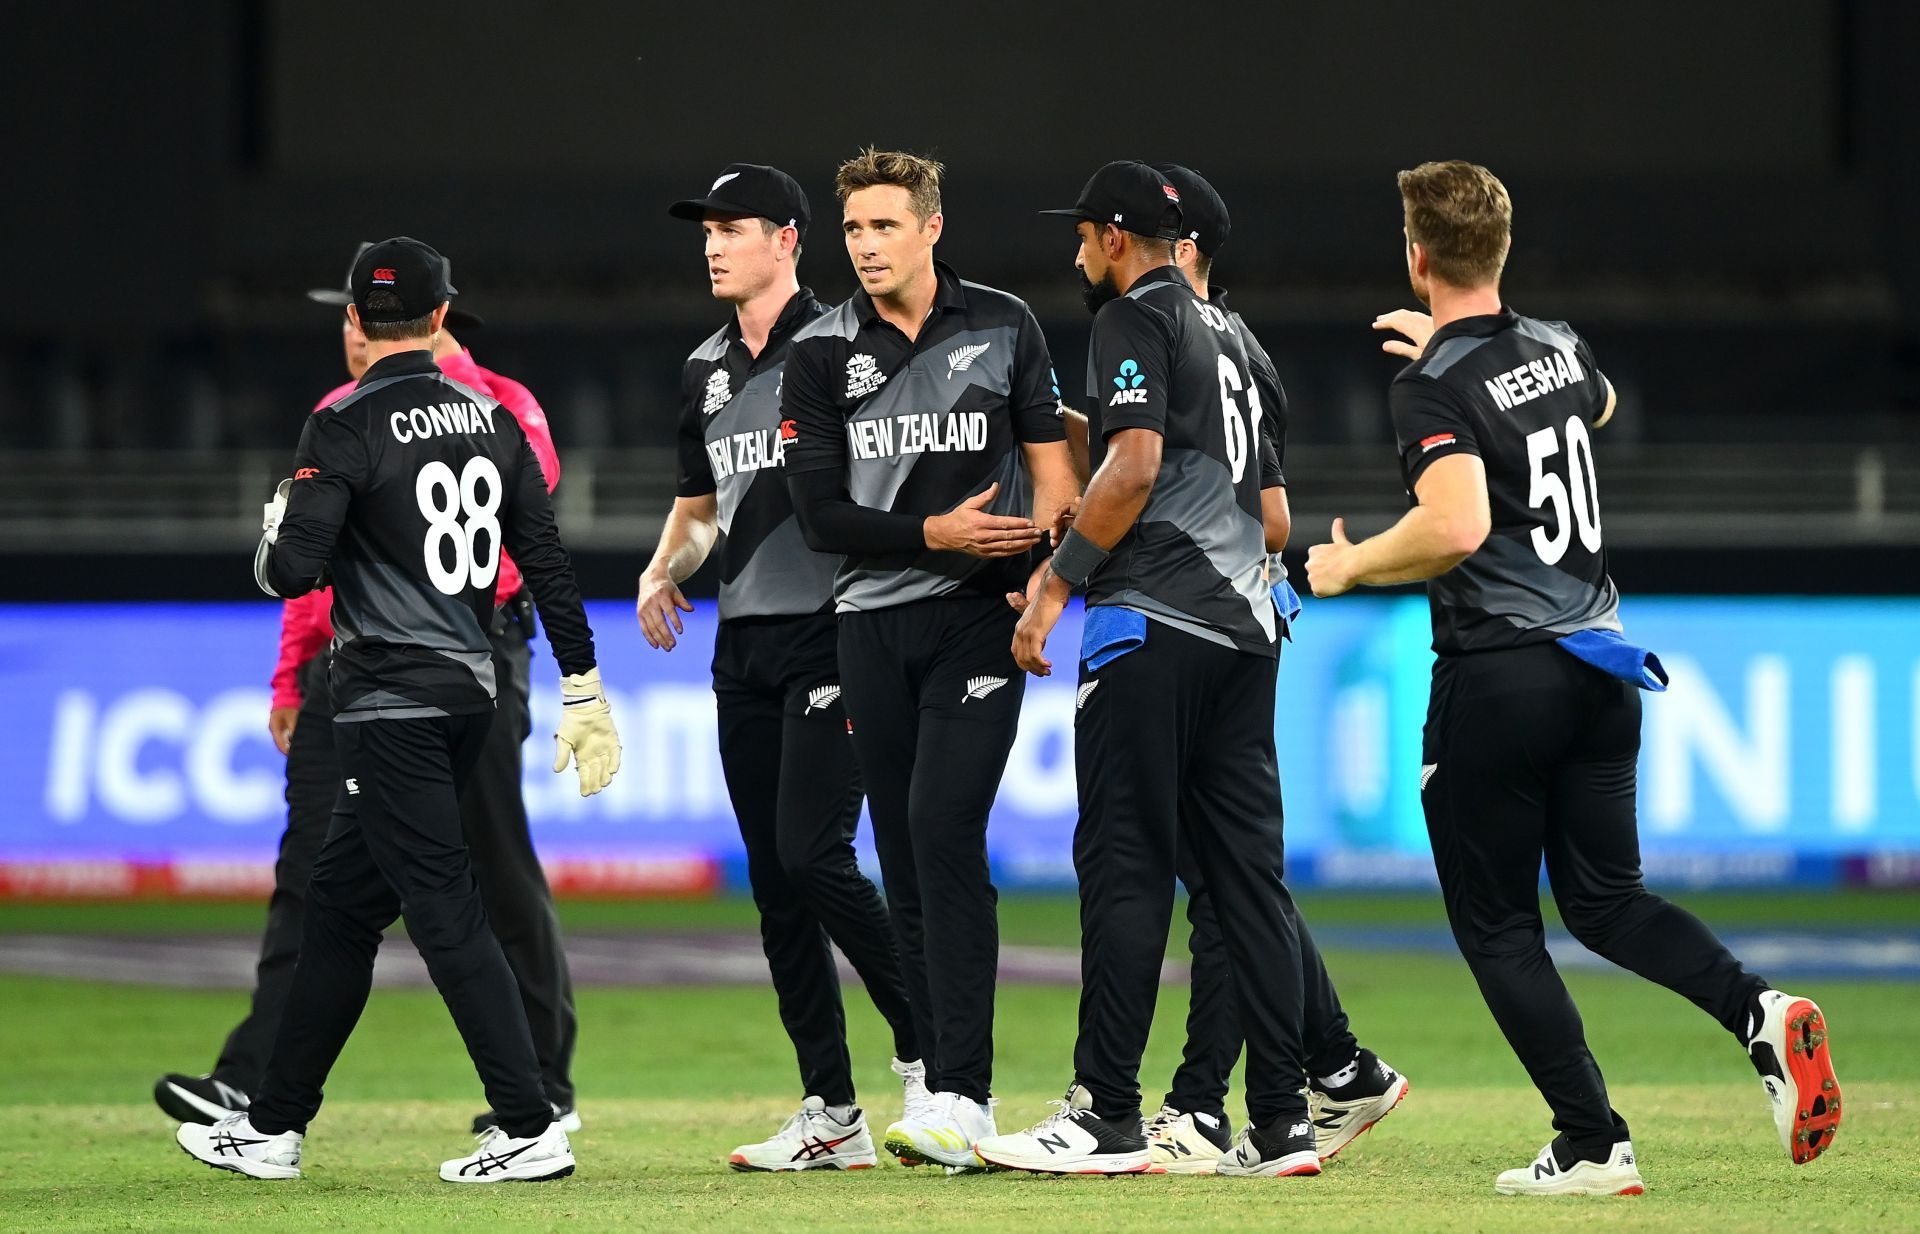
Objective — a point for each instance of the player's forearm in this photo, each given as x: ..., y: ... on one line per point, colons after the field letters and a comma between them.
x: 1054, y: 483
x: 832, y: 522
x: 1424, y: 544
x: 1275, y: 517
x: 685, y: 542
x: 1115, y: 498
x: 1078, y: 446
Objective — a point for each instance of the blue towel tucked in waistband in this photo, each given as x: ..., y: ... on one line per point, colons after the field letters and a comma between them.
x: 1611, y: 653
x: 1109, y: 633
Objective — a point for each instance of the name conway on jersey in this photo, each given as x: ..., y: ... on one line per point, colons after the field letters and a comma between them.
x: 405, y: 490
x: 733, y: 442
x: 1196, y: 559
x: 1521, y: 394
x: 919, y: 427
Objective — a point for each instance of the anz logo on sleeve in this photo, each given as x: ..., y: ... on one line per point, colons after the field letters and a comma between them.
x: 1129, y: 386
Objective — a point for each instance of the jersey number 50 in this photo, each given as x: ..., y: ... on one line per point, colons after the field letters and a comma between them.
x: 443, y: 500
x: 1545, y: 489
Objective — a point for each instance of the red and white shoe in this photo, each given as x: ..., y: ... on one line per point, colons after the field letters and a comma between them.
x: 811, y: 1140
x: 1789, y: 1050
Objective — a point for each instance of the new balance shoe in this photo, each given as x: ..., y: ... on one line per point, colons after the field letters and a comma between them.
x: 1789, y: 1050
x: 942, y: 1132
x: 1071, y: 1140
x: 233, y: 1144
x: 1341, y: 1114
x: 501, y: 1158
x: 1180, y: 1142
x: 1617, y: 1175
x: 1282, y: 1153
x: 811, y: 1140
x: 567, y: 1116
x: 197, y: 1098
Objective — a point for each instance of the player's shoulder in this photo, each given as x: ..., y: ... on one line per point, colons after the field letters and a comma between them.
x: 1557, y: 334
x: 334, y: 395
x: 711, y: 350
x: 841, y: 322
x: 989, y: 305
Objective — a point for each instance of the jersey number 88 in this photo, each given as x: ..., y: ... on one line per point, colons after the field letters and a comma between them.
x: 443, y: 500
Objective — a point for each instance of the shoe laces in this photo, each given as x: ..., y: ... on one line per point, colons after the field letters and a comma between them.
x: 1064, y: 1112
x: 1165, y: 1118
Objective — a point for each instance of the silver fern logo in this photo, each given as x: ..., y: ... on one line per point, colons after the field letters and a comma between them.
x: 980, y: 687
x: 820, y: 698
x: 1080, y: 698
x: 960, y: 359
x: 1426, y: 773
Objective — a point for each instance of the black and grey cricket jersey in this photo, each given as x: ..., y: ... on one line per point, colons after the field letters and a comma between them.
x: 1161, y: 358
x: 1520, y: 394
x: 403, y: 492
x: 1273, y: 397
x: 733, y: 440
x: 918, y: 427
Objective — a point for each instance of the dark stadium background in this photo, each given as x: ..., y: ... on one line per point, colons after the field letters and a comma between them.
x: 1721, y: 197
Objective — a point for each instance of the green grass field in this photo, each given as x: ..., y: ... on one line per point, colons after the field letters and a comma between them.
x: 672, y: 1079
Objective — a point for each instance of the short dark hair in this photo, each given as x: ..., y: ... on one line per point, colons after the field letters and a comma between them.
x: 380, y: 300
x: 1202, y: 265
x: 872, y: 168
x: 1152, y: 246
x: 770, y: 229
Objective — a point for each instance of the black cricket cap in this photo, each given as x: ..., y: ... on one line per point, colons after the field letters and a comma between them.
x: 1203, y: 215
x: 1131, y: 196
x: 751, y: 189
x: 457, y: 317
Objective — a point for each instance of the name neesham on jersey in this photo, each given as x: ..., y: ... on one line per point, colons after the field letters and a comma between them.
x: 440, y: 420
x: 1535, y: 378
x: 920, y: 432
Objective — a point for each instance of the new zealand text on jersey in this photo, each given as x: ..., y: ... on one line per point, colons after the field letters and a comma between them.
x: 749, y: 451
x: 921, y: 432
x: 1535, y: 378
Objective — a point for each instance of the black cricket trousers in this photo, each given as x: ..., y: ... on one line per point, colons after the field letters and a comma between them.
x: 795, y: 788
x: 934, y: 697
x: 1214, y: 1036
x: 1529, y: 753
x: 512, y: 884
x: 396, y: 846
x: 1173, y: 743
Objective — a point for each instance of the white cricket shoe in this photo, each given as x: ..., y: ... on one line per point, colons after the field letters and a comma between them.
x: 1071, y: 1140
x: 811, y: 1140
x: 1617, y: 1175
x: 943, y: 1133
x: 501, y: 1158
x: 1285, y: 1152
x: 233, y: 1144
x: 1185, y: 1143
x: 1789, y: 1050
x: 1341, y: 1114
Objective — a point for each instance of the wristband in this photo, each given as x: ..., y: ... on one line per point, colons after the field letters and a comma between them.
x: 1076, y: 558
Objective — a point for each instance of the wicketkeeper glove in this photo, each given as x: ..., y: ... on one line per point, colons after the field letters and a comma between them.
x: 274, y: 511
x: 586, y: 733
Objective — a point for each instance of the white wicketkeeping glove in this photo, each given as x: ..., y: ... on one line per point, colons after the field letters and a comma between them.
x: 586, y: 733
x: 274, y: 511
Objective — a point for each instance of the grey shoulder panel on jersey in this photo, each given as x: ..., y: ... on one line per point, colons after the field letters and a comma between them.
x: 360, y: 392
x: 1552, y: 333
x: 838, y: 322
x: 463, y: 388
x: 714, y: 348
x: 1450, y: 353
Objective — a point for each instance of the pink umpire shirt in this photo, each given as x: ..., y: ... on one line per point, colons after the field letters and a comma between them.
x: 306, y: 623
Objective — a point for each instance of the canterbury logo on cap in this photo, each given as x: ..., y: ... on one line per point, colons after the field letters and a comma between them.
x: 384, y: 275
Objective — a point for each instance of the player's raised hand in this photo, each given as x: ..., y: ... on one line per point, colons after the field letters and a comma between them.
x: 1330, y: 566
x: 659, y: 609
x: 969, y: 529
x: 1417, y: 326
x: 587, y: 737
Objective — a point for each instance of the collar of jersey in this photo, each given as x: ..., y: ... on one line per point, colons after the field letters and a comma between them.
x: 1475, y: 327
x: 1159, y: 274
x: 949, y: 294
x: 801, y: 308
x: 399, y: 364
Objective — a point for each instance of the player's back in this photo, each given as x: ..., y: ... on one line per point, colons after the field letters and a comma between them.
x: 1521, y: 394
x: 1166, y: 360
x: 428, y: 466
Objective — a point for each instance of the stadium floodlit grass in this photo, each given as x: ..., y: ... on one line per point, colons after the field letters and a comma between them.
x: 673, y: 1078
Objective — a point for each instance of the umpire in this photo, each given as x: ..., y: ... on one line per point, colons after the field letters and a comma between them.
x: 519, y: 902
x: 405, y: 492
